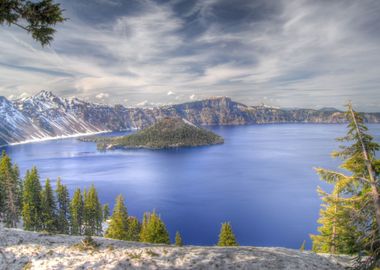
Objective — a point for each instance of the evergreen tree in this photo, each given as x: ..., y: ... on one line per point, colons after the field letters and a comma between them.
x: 36, y: 17
x: 49, y: 208
x: 76, y: 213
x: 154, y: 230
x: 63, y: 201
x: 337, y: 233
x: 9, y: 192
x: 20, y: 185
x: 178, y: 240
x: 356, y: 195
x: 31, y: 210
x: 118, y: 228
x: 92, y: 212
x: 134, y: 229
x: 106, y: 211
x: 226, y: 236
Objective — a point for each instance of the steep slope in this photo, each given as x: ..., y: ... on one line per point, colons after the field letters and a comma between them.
x: 46, y: 115
x: 55, y: 116
x: 165, y: 133
x: 29, y: 250
x: 15, y: 126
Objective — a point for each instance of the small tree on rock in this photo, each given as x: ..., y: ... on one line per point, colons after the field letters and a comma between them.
x: 178, y: 239
x: 226, y: 236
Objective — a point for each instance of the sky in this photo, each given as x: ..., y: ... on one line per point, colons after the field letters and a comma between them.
x: 286, y: 53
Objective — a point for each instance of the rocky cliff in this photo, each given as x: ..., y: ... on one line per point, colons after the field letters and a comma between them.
x: 46, y: 115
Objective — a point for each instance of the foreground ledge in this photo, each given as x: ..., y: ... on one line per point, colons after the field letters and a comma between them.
x: 29, y: 250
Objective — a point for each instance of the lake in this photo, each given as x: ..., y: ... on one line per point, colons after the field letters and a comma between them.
x: 261, y: 180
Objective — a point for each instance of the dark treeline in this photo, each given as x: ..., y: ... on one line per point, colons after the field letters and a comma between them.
x: 41, y: 208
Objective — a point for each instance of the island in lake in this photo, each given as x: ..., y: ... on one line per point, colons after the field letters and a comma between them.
x: 165, y: 133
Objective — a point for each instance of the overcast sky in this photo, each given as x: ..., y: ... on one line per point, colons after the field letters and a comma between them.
x: 317, y: 53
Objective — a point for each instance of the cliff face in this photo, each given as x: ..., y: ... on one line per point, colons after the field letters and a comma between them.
x: 46, y: 115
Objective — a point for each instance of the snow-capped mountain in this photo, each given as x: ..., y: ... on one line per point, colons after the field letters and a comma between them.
x: 46, y: 115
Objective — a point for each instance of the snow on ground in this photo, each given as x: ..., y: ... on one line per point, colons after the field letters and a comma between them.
x: 29, y: 250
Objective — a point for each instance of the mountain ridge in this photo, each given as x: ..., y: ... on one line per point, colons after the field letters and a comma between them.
x: 46, y: 115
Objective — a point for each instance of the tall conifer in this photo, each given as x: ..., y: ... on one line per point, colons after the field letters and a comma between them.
x: 9, y: 192
x: 118, y: 227
x: 49, y: 208
x: 76, y: 213
x: 63, y: 202
x: 31, y: 210
x: 358, y: 193
x: 92, y: 212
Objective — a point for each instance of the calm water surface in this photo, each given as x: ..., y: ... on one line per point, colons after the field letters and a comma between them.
x: 261, y: 180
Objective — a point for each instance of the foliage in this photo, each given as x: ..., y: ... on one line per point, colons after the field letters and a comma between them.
x: 134, y: 229
x: 32, y: 210
x: 106, y: 211
x: 76, y: 213
x: 10, y: 189
x: 36, y: 17
x: 92, y: 214
x: 178, y: 239
x: 166, y: 133
x: 226, y: 236
x: 63, y: 201
x: 153, y: 229
x: 49, y: 208
x: 350, y: 218
x: 118, y: 228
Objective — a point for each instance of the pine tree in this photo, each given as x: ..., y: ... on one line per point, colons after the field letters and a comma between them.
x: 106, y: 211
x: 38, y: 18
x: 337, y: 234
x: 178, y: 240
x: 154, y: 230
x: 226, y: 236
x: 118, y: 228
x: 20, y: 185
x: 63, y: 202
x: 9, y: 192
x: 92, y: 212
x: 356, y: 196
x: 134, y: 229
x: 49, y: 208
x: 31, y: 210
x: 76, y: 213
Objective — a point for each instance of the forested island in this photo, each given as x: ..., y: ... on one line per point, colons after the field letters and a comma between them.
x: 166, y: 133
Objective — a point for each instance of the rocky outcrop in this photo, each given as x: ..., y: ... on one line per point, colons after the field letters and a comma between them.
x: 29, y: 250
x: 46, y: 115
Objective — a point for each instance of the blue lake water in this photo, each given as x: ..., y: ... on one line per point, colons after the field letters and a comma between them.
x: 261, y: 180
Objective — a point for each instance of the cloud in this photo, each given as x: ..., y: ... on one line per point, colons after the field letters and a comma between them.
x: 192, y: 97
x: 102, y: 96
x: 298, y: 53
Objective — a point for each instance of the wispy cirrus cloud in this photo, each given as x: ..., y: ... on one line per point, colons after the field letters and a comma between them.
x: 286, y: 53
